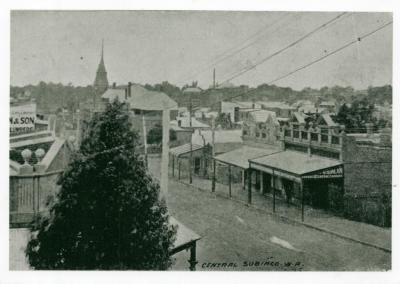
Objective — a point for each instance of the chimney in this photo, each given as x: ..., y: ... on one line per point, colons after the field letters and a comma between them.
x: 126, y: 94
x: 114, y: 85
x: 129, y: 89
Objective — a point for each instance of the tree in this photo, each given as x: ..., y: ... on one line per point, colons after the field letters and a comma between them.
x: 224, y: 120
x: 107, y: 214
x: 354, y: 118
x: 155, y: 135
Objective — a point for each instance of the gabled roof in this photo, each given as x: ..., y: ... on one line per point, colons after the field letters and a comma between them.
x: 261, y: 115
x: 299, y: 117
x: 328, y: 120
x: 141, y: 98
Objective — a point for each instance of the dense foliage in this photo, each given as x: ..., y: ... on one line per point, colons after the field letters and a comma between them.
x: 155, y: 135
x: 51, y: 96
x: 355, y: 117
x: 224, y: 120
x: 107, y: 214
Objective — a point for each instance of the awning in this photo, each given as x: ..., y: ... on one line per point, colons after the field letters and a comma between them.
x: 297, y: 165
x: 184, y: 149
x: 240, y: 157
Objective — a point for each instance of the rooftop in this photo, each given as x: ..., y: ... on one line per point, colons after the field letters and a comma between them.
x: 221, y: 136
x: 183, y: 149
x: 273, y: 104
x: 261, y: 115
x: 240, y: 157
x: 141, y: 98
x: 297, y: 163
x: 185, y: 122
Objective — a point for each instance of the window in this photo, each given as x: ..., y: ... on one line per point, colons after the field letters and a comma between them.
x: 264, y: 135
x: 257, y: 134
x: 244, y: 132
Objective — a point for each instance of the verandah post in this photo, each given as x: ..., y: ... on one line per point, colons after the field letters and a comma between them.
x: 302, y: 200
x: 230, y: 181
x: 213, y: 178
x: 249, y: 185
x: 273, y: 191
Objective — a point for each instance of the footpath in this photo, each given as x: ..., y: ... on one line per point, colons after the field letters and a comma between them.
x: 320, y: 220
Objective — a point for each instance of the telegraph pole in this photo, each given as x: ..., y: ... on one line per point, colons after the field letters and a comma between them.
x: 144, y: 139
x: 213, y: 153
x: 191, y: 143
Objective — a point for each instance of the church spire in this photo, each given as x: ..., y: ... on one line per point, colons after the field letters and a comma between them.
x: 101, y: 81
x: 102, y: 51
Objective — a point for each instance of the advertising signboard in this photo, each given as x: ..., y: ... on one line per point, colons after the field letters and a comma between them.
x: 22, y: 118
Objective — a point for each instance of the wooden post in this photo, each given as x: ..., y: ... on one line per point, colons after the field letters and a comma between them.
x: 302, y: 200
x: 249, y: 185
x: 273, y: 191
x: 165, y: 154
x: 173, y: 166
x: 144, y: 139
x: 230, y: 181
x: 192, y: 259
x: 179, y: 168
x: 213, y: 178
x: 191, y: 143
x: 243, y: 179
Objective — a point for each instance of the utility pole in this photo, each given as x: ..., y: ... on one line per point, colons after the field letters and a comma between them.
x: 213, y: 153
x: 191, y: 143
x: 165, y: 154
x: 214, y: 78
x: 144, y: 139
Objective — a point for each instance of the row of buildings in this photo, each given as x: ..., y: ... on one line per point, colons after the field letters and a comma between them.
x: 287, y: 156
x: 273, y: 147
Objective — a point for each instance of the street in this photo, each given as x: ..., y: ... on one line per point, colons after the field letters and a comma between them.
x: 238, y: 237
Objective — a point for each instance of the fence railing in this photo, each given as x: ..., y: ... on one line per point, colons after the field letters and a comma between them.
x: 29, y: 195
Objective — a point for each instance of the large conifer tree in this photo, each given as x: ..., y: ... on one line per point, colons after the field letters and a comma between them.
x: 107, y: 214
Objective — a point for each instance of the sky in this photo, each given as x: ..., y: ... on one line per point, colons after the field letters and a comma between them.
x: 181, y: 47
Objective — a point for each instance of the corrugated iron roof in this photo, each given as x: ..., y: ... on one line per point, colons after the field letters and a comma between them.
x: 240, y: 157
x: 183, y: 149
x: 297, y: 163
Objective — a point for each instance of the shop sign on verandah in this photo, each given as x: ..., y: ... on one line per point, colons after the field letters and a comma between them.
x: 336, y: 172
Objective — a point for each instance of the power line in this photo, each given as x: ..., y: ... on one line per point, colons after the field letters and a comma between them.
x: 228, y: 53
x: 313, y: 62
x: 331, y: 53
x: 321, y: 27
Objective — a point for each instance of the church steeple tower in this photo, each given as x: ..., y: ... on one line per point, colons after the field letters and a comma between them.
x: 101, y: 81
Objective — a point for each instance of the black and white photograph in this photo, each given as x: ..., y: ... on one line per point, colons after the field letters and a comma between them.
x: 200, y: 140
